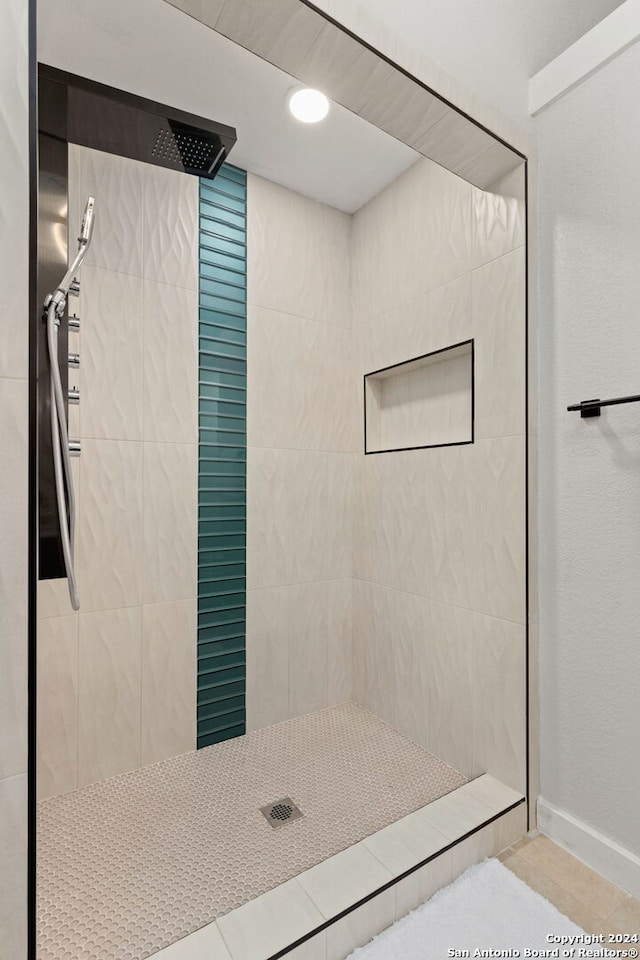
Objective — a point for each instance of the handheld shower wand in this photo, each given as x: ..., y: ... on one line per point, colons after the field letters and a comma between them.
x: 65, y: 495
x: 59, y: 297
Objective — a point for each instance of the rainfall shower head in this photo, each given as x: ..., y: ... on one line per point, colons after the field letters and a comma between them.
x: 104, y: 118
x: 189, y: 149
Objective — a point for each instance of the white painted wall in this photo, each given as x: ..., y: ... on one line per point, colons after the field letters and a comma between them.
x: 14, y: 265
x: 603, y: 43
x: 589, y: 144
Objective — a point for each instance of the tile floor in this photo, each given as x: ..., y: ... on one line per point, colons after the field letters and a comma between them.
x: 129, y: 865
x: 262, y: 928
x: 592, y: 902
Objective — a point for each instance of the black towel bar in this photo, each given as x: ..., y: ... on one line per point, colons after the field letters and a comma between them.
x: 591, y: 408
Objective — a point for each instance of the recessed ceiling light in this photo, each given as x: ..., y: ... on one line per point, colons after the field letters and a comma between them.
x: 307, y: 105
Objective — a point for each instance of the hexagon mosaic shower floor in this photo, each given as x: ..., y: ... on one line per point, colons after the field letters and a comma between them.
x: 131, y: 864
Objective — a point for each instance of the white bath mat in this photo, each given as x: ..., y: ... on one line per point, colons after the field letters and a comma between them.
x: 487, y: 908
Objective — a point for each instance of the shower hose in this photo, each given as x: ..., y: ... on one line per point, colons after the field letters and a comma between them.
x: 65, y: 494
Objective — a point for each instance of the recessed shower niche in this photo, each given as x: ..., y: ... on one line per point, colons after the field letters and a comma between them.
x: 424, y: 402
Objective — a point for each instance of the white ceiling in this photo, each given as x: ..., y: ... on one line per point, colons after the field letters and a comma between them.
x: 150, y: 48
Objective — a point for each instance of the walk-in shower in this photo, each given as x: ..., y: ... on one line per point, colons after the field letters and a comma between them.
x: 293, y: 702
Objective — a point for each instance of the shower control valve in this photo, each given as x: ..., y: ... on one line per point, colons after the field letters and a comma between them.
x: 75, y: 448
x: 74, y: 287
x: 74, y: 322
x: 74, y: 359
x: 74, y: 395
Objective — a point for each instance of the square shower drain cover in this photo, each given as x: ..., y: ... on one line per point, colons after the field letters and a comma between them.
x: 280, y: 812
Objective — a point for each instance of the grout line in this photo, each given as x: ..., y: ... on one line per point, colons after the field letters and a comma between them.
x: 77, y: 631
x: 126, y: 606
x: 166, y: 443
x: 14, y: 776
x: 143, y: 338
x: 139, y: 276
x: 295, y: 583
x: 427, y: 293
x: 503, y: 436
x: 140, y: 701
x: 298, y: 316
x: 446, y: 603
x: 351, y: 453
x: 609, y: 915
x: 501, y: 256
x: 225, y: 943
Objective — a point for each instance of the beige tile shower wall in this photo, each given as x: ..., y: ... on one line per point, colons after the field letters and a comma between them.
x: 439, y: 598
x: 303, y: 428
x: 116, y: 682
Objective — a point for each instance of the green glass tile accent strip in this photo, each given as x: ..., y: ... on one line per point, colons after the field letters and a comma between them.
x: 222, y: 471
